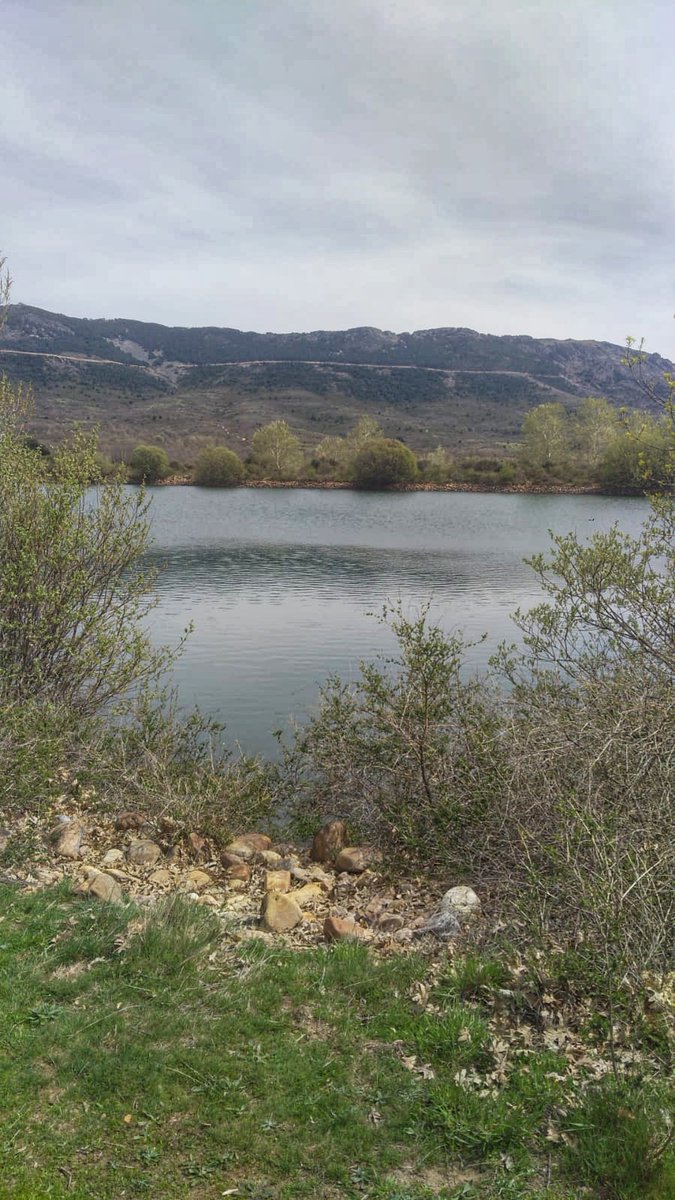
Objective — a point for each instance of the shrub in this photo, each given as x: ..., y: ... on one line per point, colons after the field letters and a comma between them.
x: 73, y: 590
x: 384, y: 463
x: 149, y: 464
x: 217, y: 466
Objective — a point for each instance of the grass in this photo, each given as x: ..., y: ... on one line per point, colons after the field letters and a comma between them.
x: 142, y: 1053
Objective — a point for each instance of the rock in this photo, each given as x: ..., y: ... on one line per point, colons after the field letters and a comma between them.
x: 280, y: 913
x: 308, y: 894
x: 270, y: 859
x: 461, y: 900
x: 237, y: 885
x: 443, y: 925
x: 339, y: 929
x: 112, y: 857
x: 104, y: 887
x: 69, y: 838
x: 328, y: 841
x: 326, y: 880
x: 197, y: 880
x: 198, y: 845
x: 162, y: 877
x: 240, y: 873
x: 390, y: 922
x: 130, y: 819
x: 277, y: 881
x: 249, y: 845
x: 231, y: 860
x: 144, y: 853
x: 355, y: 859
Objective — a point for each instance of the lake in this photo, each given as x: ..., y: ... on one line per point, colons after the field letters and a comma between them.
x: 279, y: 583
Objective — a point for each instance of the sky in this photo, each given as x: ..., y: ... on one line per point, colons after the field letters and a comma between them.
x: 503, y: 165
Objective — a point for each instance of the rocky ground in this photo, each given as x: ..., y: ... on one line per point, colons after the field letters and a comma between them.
x: 326, y: 891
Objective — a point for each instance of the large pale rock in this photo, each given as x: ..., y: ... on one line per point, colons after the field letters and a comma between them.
x: 356, y: 859
x: 280, y: 913
x: 69, y: 837
x: 461, y: 900
x: 341, y: 929
x: 144, y: 853
x: 328, y: 841
x: 277, y: 881
x: 270, y: 859
x: 249, y: 845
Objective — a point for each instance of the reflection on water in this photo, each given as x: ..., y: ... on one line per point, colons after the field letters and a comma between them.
x: 279, y: 584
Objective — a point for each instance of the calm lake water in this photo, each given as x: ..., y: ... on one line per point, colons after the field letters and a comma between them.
x: 279, y: 584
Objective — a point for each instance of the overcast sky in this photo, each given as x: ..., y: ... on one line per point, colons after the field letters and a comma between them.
x: 301, y: 164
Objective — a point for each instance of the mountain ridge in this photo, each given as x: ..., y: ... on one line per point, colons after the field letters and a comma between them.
x: 180, y: 384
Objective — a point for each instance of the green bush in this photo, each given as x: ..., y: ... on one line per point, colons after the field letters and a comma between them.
x: 217, y: 466
x: 149, y: 464
x: 383, y: 463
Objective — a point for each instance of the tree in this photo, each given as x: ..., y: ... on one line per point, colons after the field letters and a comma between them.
x: 276, y: 452
x: 74, y: 591
x: 217, y: 466
x: 384, y: 463
x: 149, y: 464
x: 365, y: 430
x: 595, y: 425
x: 438, y: 466
x: 545, y: 439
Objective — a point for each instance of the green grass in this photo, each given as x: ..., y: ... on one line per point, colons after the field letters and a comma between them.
x: 145, y: 1054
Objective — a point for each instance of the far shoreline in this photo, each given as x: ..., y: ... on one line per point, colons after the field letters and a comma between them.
x: 522, y: 489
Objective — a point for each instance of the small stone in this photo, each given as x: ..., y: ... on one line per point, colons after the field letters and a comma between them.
x: 162, y: 877
x: 316, y: 875
x: 328, y: 841
x: 130, y: 819
x: 270, y: 859
x: 196, y: 880
x: 249, y: 845
x: 461, y: 900
x: 240, y: 872
x: 231, y: 860
x: 112, y: 857
x: 390, y: 923
x: 198, y: 845
x: 277, y: 881
x: 339, y: 929
x: 144, y: 853
x: 69, y: 839
x: 308, y: 894
x: 104, y: 887
x: 280, y: 913
x: 355, y: 859
x: 237, y: 885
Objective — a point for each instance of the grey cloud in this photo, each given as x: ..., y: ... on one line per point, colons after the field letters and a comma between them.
x: 302, y: 164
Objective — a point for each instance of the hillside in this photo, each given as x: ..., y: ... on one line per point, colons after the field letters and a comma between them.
x: 180, y: 386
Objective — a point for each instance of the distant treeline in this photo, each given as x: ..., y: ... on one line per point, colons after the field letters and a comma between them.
x: 594, y: 445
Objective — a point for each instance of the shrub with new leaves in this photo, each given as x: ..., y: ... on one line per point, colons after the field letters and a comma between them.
x: 73, y: 588
x: 383, y: 463
x: 149, y: 464
x: 217, y: 466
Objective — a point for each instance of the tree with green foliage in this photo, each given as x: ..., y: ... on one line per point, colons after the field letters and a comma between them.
x: 217, y: 466
x: 384, y: 463
x: 594, y: 426
x: 438, y: 466
x: 545, y: 437
x: 276, y: 452
x: 149, y: 464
